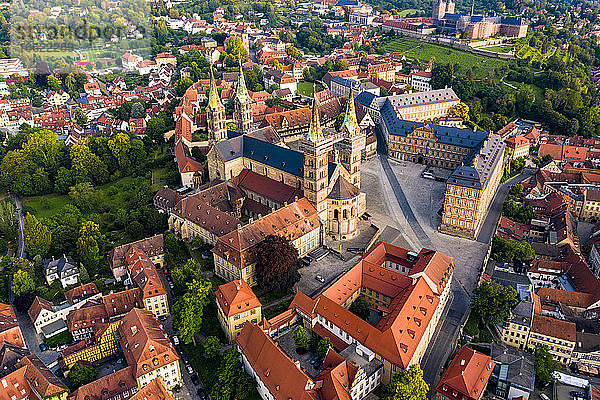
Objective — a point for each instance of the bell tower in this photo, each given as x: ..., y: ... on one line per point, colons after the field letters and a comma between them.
x: 215, y: 113
x: 355, y: 142
x: 242, y: 105
x: 316, y: 150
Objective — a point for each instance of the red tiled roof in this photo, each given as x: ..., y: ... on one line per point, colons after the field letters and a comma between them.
x: 467, y: 375
x: 553, y: 327
x: 282, y: 378
x: 236, y: 297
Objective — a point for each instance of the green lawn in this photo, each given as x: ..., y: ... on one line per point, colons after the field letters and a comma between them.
x: 498, y: 49
x: 306, y: 88
x: 45, y: 206
x: 423, y: 52
x: 404, y: 13
x: 110, y: 194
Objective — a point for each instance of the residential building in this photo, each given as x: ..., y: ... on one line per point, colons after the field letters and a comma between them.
x: 471, y: 188
x: 587, y: 350
x: 144, y: 275
x: 155, y: 390
x: 152, y: 246
x: 10, y: 331
x: 352, y: 374
x: 558, y: 335
x: 64, y: 270
x: 514, y: 373
x: 130, y: 61
x: 148, y: 350
x: 341, y: 87
x: 29, y: 378
x: 57, y: 99
x: 282, y: 79
x: 518, y: 146
x: 515, y: 330
x: 233, y: 253
x: 49, y: 319
x: 119, y: 384
x: 12, y: 66
x: 102, y: 346
x: 362, y: 18
x: 421, y: 81
x: 236, y: 305
x: 466, y: 377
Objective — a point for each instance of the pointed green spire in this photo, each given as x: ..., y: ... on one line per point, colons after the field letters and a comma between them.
x: 350, y: 121
x: 315, y: 133
x: 241, y: 90
x: 213, y: 95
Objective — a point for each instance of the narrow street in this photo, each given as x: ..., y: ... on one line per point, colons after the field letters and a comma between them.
x: 19, y: 206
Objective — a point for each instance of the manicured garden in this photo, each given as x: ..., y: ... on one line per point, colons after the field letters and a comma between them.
x: 423, y: 52
x: 306, y: 88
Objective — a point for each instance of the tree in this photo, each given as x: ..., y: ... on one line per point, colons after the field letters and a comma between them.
x: 87, y: 166
x: 188, y: 310
x: 183, y: 85
x: 323, y: 346
x: 300, y: 337
x: 235, y: 50
x: 212, y: 346
x: 36, y: 236
x: 84, y: 277
x: 293, y: 52
x: 492, y: 301
x: 155, y: 129
x: 8, y: 219
x: 23, y: 283
x: 460, y: 110
x: 81, y: 374
x: 407, y: 385
x: 276, y: 263
x: 544, y: 365
x: 224, y: 387
x: 516, y: 190
x: 120, y: 144
x: 360, y: 308
x: 83, y: 194
x: 138, y: 111
x: 182, y: 274
x: 80, y: 117
x: 89, y: 244
x: 53, y: 83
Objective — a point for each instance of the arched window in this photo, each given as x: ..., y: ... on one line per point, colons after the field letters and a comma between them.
x: 336, y: 214
x: 345, y: 214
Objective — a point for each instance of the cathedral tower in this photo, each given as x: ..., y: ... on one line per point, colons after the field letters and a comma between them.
x: 355, y: 142
x: 316, y: 150
x: 242, y: 106
x: 215, y: 113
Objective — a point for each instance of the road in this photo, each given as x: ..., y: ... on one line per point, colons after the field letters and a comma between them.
x: 493, y: 214
x: 19, y: 206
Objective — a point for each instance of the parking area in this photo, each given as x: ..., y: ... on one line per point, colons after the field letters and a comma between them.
x: 329, y: 268
x: 286, y: 342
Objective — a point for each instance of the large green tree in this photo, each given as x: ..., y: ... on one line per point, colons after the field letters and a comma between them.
x: 23, y: 283
x: 276, y: 263
x: 407, y: 385
x: 89, y: 244
x: 182, y: 274
x: 36, y: 236
x: 492, y: 301
x: 8, y: 220
x: 212, y: 346
x: 189, y: 309
x: 300, y: 337
x: 544, y: 364
x: 81, y: 374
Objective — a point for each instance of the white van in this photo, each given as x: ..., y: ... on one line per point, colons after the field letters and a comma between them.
x: 544, y: 397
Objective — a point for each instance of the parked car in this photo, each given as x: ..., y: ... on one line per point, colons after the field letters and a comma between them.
x: 43, y: 347
x: 544, y: 397
x: 577, y: 394
x: 320, y: 278
x: 165, y: 270
x: 314, y: 360
x: 195, y: 380
x: 175, y: 340
x: 185, y: 360
x: 190, y: 370
x: 305, y: 261
x: 202, y: 394
x: 171, y: 285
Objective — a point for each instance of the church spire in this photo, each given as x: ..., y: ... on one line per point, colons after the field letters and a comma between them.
x: 350, y: 121
x: 241, y: 89
x: 315, y: 133
x: 213, y: 94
